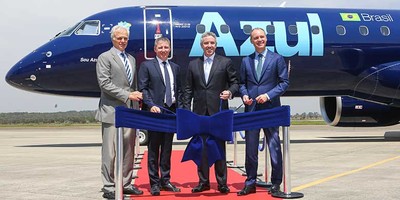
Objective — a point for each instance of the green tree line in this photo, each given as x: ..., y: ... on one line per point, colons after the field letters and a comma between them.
x: 297, y: 116
x: 69, y: 117
x: 87, y: 117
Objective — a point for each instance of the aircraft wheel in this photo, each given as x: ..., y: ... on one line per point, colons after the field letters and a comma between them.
x: 143, y: 137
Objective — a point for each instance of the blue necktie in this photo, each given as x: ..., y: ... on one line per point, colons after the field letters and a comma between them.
x: 127, y: 68
x: 168, y: 95
x: 259, y: 66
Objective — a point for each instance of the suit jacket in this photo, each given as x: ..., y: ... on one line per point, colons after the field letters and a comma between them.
x: 152, y: 85
x: 114, y: 85
x: 274, y: 79
x: 205, y: 96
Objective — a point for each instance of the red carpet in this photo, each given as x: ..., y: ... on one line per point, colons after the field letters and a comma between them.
x: 184, y: 176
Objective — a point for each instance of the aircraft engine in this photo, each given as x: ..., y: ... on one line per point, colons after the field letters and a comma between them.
x: 350, y: 112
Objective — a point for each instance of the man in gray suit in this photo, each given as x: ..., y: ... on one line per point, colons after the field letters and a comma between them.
x: 211, y: 81
x: 116, y: 74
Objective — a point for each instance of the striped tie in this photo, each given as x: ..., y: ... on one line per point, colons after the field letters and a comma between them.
x: 127, y: 68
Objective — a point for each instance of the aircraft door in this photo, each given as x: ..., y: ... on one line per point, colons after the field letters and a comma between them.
x: 157, y: 23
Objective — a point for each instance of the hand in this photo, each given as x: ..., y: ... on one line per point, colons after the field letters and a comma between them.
x: 247, y: 101
x: 135, y: 96
x: 155, y: 109
x: 225, y: 95
x: 262, y: 99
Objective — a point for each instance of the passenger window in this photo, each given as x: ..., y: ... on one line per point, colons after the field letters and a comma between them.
x: 364, y: 30
x: 200, y: 28
x: 385, y: 30
x: 314, y: 29
x: 91, y: 27
x: 340, y: 30
x: 224, y: 28
x: 293, y: 29
x: 270, y: 29
x: 247, y: 29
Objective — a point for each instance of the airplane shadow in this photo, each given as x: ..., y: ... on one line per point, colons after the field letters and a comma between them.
x: 339, y: 139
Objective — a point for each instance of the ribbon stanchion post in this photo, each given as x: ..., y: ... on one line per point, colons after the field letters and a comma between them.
x: 137, y: 146
x: 287, y: 194
x: 234, y: 162
x: 119, y: 194
x: 137, y: 155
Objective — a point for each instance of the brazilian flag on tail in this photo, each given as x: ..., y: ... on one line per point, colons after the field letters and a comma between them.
x: 353, y: 17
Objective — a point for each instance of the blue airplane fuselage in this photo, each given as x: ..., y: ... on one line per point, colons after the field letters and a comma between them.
x: 330, y: 52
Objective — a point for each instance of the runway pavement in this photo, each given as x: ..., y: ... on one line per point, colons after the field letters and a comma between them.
x: 326, y: 163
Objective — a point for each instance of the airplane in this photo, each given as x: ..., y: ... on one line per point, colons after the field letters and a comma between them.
x: 350, y: 58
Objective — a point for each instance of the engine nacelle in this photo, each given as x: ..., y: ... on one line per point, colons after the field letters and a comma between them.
x: 350, y: 112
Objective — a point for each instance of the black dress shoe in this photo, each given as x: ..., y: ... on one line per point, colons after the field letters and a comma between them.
x: 274, y: 189
x: 170, y: 187
x: 223, y: 189
x: 109, y: 195
x: 132, y: 190
x: 201, y: 188
x: 248, y: 189
x: 155, y: 190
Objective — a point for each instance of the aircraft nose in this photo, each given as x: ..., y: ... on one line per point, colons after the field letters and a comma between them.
x: 23, y: 74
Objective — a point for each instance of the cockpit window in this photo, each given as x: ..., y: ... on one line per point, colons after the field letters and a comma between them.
x: 68, y: 31
x: 91, y: 27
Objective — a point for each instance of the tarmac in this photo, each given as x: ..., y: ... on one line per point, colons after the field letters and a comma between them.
x: 326, y: 163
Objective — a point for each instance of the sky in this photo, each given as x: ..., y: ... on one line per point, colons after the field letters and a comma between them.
x: 27, y: 25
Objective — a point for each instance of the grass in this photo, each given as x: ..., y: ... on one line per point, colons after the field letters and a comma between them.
x: 50, y: 125
x: 307, y: 122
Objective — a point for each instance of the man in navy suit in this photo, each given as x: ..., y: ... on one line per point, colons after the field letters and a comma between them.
x: 211, y: 81
x: 263, y: 79
x: 160, y: 87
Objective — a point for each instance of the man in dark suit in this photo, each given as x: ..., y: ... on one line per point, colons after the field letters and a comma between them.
x: 161, y: 88
x: 263, y: 79
x: 210, y: 79
x: 116, y: 75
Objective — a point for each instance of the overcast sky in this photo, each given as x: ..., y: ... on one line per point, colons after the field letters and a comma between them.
x: 28, y: 24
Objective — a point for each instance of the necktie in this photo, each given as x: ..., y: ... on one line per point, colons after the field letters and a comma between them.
x: 259, y: 66
x: 168, y: 95
x: 207, y: 68
x: 127, y: 69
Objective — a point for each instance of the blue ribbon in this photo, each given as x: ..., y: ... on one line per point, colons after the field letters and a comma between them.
x: 187, y: 124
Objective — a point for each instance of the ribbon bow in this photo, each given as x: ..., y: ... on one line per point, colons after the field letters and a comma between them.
x: 216, y: 127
